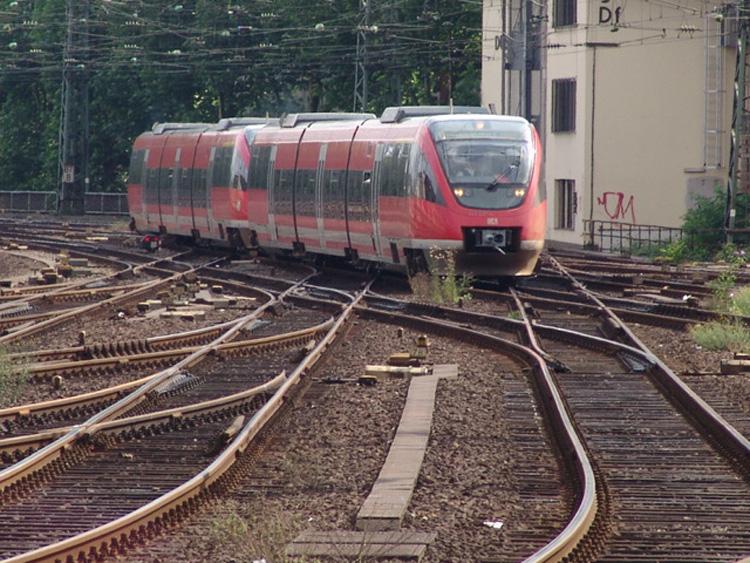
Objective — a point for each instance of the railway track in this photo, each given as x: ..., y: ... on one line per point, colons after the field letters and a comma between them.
x: 86, y: 465
x: 690, y: 507
x: 646, y: 480
x: 672, y: 486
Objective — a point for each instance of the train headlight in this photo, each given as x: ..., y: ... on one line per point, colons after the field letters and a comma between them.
x: 459, y: 192
x: 519, y: 192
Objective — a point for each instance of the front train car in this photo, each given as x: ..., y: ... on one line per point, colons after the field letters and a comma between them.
x: 490, y: 209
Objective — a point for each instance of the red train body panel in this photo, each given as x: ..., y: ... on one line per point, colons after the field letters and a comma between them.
x: 385, y: 190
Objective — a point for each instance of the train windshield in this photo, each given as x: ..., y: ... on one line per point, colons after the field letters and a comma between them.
x: 488, y: 162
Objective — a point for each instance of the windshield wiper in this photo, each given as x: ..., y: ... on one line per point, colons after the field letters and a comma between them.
x: 492, y: 186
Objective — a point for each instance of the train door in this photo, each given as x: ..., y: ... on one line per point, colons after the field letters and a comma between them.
x: 174, y: 186
x: 210, y: 222
x: 143, y: 174
x: 359, y: 199
x: 200, y: 183
x: 375, y: 201
x: 332, y: 195
x: 305, y: 189
x: 320, y: 178
x: 166, y: 183
x: 152, y: 179
x: 185, y: 217
x: 271, y: 193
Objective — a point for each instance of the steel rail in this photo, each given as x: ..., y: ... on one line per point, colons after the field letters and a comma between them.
x: 673, y: 387
x: 100, y: 395
x: 151, y: 341
x: 112, y: 301
x: 568, y: 441
x: 122, y: 530
x: 29, y: 465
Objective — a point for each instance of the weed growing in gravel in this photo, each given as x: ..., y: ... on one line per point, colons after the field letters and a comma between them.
x: 13, y: 381
x: 444, y: 285
x: 726, y: 333
x: 447, y: 288
x: 234, y: 536
x: 722, y: 335
x: 741, y: 301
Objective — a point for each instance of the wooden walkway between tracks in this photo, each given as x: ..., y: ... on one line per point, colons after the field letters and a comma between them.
x: 380, y: 517
x: 385, y: 507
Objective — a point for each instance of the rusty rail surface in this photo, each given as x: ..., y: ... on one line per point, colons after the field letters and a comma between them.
x: 34, y: 440
x: 39, y: 459
x: 691, y: 403
x: 562, y: 428
x: 115, y: 535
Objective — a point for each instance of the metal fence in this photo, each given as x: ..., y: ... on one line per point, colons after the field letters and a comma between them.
x: 627, y: 238
x: 38, y: 202
x: 95, y: 203
x: 103, y: 203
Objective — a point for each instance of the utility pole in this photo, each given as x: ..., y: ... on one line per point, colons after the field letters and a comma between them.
x: 74, y: 119
x: 360, y: 64
x: 739, y: 158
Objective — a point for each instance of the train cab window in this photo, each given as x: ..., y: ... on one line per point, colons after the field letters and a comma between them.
x: 333, y: 194
x: 304, y: 196
x: 135, y: 172
x: 487, y: 162
x: 260, y: 158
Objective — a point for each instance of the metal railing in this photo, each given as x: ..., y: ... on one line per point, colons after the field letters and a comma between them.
x: 33, y: 202
x: 626, y: 238
x: 104, y: 203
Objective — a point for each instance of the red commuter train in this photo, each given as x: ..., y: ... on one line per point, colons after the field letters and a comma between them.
x: 385, y: 190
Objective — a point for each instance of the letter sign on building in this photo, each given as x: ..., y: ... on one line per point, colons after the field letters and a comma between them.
x: 608, y: 14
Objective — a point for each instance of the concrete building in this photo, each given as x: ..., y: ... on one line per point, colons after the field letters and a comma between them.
x: 633, y: 99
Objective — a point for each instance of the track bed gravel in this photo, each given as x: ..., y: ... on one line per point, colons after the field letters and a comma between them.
x: 131, y: 327
x: 700, y: 369
x: 322, y: 462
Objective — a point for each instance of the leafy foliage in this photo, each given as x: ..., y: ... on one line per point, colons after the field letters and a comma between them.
x: 721, y: 335
x: 201, y: 60
x: 13, y: 381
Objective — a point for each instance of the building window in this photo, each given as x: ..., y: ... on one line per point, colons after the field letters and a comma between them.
x: 565, y: 204
x: 563, y: 105
x: 564, y: 13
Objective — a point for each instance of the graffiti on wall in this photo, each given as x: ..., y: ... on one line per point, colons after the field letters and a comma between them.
x: 617, y: 206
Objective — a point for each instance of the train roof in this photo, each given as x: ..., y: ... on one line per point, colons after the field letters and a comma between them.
x: 395, y: 114
x: 223, y: 125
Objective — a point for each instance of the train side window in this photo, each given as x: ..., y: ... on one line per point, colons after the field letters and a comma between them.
x: 283, y: 191
x: 166, y: 195
x: 152, y: 190
x: 425, y: 181
x: 388, y: 179
x: 402, y: 169
x: 259, y: 162
x: 135, y: 172
x: 304, y: 196
x: 183, y: 191
x: 333, y: 194
x: 199, y: 188
x: 223, y: 167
